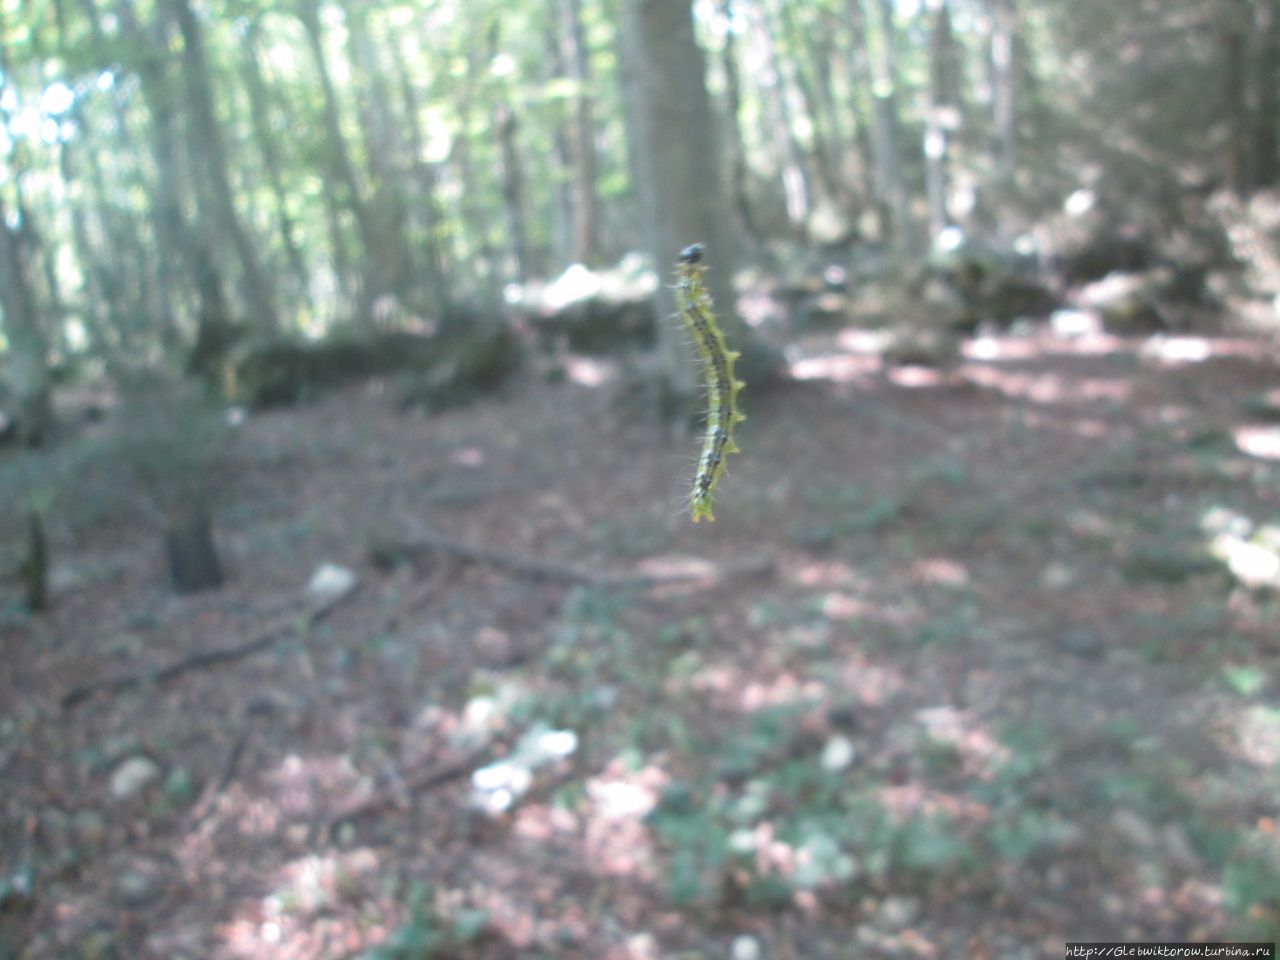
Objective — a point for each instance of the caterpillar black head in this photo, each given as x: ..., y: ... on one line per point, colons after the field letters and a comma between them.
x: 692, y: 253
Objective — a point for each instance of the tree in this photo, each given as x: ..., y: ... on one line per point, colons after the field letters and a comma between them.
x: 209, y: 153
x: 884, y: 128
x: 678, y: 176
x: 585, y: 223
x: 28, y: 366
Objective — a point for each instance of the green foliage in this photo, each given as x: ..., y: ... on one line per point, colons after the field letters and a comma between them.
x: 770, y: 819
x: 846, y: 511
x: 429, y: 933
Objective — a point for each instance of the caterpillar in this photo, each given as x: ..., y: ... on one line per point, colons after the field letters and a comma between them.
x: 694, y: 305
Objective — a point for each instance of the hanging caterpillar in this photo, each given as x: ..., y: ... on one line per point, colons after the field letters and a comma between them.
x: 694, y: 304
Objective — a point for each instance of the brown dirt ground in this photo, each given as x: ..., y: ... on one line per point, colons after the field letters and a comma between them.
x: 956, y: 561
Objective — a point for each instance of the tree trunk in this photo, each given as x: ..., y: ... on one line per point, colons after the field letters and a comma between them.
x: 340, y: 172
x: 1004, y: 82
x: 940, y: 117
x: 504, y: 119
x: 426, y: 206
x: 778, y: 119
x: 678, y: 175
x: 1235, y: 84
x: 264, y: 133
x: 884, y: 124
x: 1266, y: 141
x: 192, y: 555
x: 28, y: 365
x: 210, y: 153
x: 35, y: 567
x: 795, y: 80
x: 738, y: 191
x: 585, y: 223
x: 862, y: 105
x: 179, y: 250
x: 387, y: 262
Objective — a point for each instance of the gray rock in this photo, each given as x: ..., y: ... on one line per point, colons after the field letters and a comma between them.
x: 895, y: 913
x: 136, y: 888
x: 332, y: 580
x: 132, y: 776
x: 1081, y: 642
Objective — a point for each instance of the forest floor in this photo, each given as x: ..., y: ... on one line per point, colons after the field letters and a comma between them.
x: 955, y: 673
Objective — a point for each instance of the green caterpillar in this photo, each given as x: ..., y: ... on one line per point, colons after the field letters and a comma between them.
x: 694, y: 303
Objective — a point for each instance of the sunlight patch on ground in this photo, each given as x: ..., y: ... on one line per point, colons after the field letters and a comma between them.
x: 615, y: 838
x: 917, y: 378
x: 824, y: 574
x: 1051, y: 388
x: 870, y: 684
x: 1250, y: 551
x: 1258, y: 736
x: 940, y: 571
x: 841, y: 606
x: 837, y: 367
x: 468, y: 457
x: 300, y: 917
x: 588, y: 371
x: 915, y: 800
x: 782, y: 690
x: 981, y: 753
x: 1177, y: 351
x: 303, y: 783
x: 1260, y: 442
x: 1080, y: 426
x: 498, y: 786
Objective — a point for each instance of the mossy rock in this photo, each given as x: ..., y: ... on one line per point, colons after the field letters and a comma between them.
x: 474, y: 354
x: 469, y: 364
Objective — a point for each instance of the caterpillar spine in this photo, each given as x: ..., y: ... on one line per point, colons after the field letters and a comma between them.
x: 696, y: 312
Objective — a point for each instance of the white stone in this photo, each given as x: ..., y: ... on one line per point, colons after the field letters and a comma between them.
x: 132, y: 776
x: 838, y: 754
x: 331, y: 580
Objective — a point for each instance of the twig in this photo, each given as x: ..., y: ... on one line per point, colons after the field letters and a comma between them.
x: 429, y: 779
x: 683, y: 571
x: 205, y: 658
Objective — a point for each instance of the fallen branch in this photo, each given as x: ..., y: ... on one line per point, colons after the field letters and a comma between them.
x: 429, y: 779
x: 293, y: 626
x: 653, y: 573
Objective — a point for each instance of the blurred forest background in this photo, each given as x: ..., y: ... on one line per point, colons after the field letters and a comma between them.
x: 347, y: 603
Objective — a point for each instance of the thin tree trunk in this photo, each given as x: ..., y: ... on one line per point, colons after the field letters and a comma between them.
x: 28, y: 366
x: 778, y: 120
x: 388, y: 263
x: 427, y: 206
x: 157, y: 265
x: 862, y: 107
x: 27, y: 369
x: 938, y: 119
x: 807, y: 90
x: 264, y: 133
x: 739, y: 192
x: 1266, y: 140
x: 678, y: 171
x: 884, y: 128
x: 504, y: 119
x: 180, y: 250
x: 585, y: 223
x: 211, y: 154
x: 340, y: 167
x: 1004, y: 82
x: 1235, y: 95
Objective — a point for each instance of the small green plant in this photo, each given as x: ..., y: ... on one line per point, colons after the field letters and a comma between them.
x: 430, y: 932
